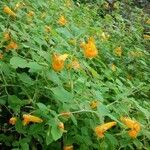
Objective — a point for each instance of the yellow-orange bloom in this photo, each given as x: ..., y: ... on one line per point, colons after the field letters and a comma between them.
x: 61, y: 126
x: 101, y: 129
x: 113, y: 67
x: 62, y: 20
x: 12, y: 45
x: 104, y: 36
x: 7, y: 36
x: 148, y: 21
x: 66, y: 114
x: 12, y: 120
x: 118, y: 51
x: 90, y: 50
x: 58, y: 61
x: 1, y: 56
x: 74, y: 65
x: 30, y: 118
x: 146, y: 36
x: 94, y: 104
x: 47, y: 29
x: 133, y: 125
x: 70, y: 147
x: 30, y: 14
x: 8, y: 11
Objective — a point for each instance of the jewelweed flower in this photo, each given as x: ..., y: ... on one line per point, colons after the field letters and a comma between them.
x: 70, y: 147
x: 74, y: 65
x: 90, y: 50
x: 30, y: 118
x: 30, y: 14
x: 8, y: 11
x: 104, y: 36
x: 58, y: 61
x: 61, y: 126
x: 148, y: 21
x: 146, y: 36
x: 1, y: 56
x: 47, y: 29
x: 113, y: 67
x: 12, y: 120
x: 62, y: 21
x: 133, y: 125
x: 118, y: 51
x: 7, y: 36
x: 94, y: 104
x: 101, y: 129
x: 12, y: 45
x: 65, y: 114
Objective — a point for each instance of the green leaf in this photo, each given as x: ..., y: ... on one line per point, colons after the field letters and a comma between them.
x: 61, y: 94
x: 56, y: 132
x: 18, y: 62
x: 34, y: 67
x: 15, y: 103
x: 25, y: 79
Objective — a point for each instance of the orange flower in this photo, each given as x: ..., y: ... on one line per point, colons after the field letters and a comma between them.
x: 74, y: 64
x: 94, y: 104
x: 90, y: 50
x: 30, y: 14
x: 105, y: 36
x: 8, y: 11
x: 61, y: 125
x: 146, y: 36
x: 1, y: 56
x: 113, y: 67
x: 7, y: 36
x: 12, y: 45
x: 118, y: 51
x: 101, y: 129
x: 65, y: 113
x: 58, y: 61
x: 70, y: 147
x: 47, y: 29
x: 12, y: 120
x: 148, y: 22
x: 29, y: 118
x: 62, y: 20
x: 133, y: 125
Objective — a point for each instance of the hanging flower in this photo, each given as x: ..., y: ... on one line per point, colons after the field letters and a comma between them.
x: 101, y: 129
x: 12, y: 45
x: 104, y: 36
x: 19, y: 5
x: 66, y: 114
x: 47, y: 29
x: 61, y: 126
x: 70, y: 147
x: 1, y: 56
x: 133, y: 125
x: 148, y: 22
x: 8, y: 11
x: 62, y: 21
x: 146, y: 36
x: 58, y: 61
x: 7, y: 36
x: 30, y: 14
x: 90, y: 50
x: 94, y: 104
x: 29, y: 118
x: 74, y: 65
x: 12, y: 120
x: 113, y: 67
x: 118, y: 51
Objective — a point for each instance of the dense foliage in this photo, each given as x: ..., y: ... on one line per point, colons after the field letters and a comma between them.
x: 74, y: 75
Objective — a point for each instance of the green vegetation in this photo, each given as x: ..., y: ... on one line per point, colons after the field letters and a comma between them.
x: 74, y: 75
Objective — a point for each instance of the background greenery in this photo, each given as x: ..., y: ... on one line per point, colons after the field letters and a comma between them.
x: 28, y: 84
